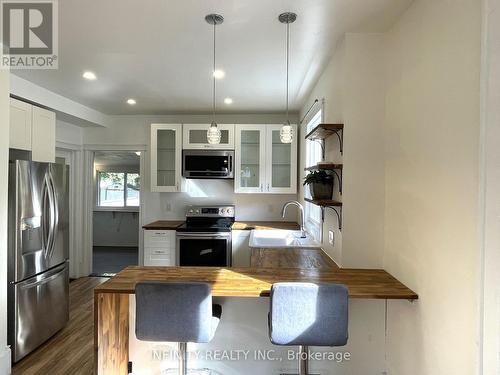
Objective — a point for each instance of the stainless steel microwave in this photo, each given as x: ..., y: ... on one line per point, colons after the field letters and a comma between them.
x: 208, y: 164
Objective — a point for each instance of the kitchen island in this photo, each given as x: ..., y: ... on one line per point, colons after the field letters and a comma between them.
x: 111, y: 303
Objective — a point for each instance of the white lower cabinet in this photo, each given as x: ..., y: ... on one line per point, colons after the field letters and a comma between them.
x: 159, y: 247
x: 241, y: 250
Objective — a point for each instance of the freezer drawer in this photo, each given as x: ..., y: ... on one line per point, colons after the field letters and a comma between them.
x: 41, y: 306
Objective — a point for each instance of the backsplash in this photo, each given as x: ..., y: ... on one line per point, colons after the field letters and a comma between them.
x: 248, y: 206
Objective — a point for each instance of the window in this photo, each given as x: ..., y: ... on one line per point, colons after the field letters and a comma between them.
x: 313, y: 156
x: 118, y: 189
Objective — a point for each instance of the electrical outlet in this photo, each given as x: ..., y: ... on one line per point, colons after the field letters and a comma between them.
x: 168, y: 207
x: 330, y: 237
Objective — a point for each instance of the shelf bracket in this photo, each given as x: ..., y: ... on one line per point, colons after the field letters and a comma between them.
x: 338, y: 212
x: 341, y: 139
x: 321, y: 142
x: 339, y: 178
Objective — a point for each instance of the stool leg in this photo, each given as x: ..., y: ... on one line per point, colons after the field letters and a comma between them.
x: 183, y: 358
x: 304, y: 360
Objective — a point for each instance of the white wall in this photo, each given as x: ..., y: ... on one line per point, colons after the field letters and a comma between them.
x: 329, y: 87
x: 4, y: 162
x: 351, y: 85
x: 432, y: 174
x: 490, y: 344
x: 68, y: 134
x: 120, y: 229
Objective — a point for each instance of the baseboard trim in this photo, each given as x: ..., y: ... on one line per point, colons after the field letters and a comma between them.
x: 5, y: 361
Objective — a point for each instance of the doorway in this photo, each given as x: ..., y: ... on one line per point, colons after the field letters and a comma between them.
x: 116, y: 211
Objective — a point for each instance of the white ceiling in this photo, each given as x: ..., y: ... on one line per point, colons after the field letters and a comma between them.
x: 160, y: 51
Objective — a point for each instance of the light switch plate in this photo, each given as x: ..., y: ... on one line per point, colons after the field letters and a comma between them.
x: 330, y: 237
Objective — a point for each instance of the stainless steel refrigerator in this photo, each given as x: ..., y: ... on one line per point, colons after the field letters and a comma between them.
x: 38, y: 276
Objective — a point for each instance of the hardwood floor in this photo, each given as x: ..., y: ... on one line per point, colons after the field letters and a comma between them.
x: 71, y: 351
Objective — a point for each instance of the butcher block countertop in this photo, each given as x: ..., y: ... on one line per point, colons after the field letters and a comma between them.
x: 291, y: 258
x: 250, y: 225
x: 238, y: 225
x: 257, y: 282
x: 163, y: 225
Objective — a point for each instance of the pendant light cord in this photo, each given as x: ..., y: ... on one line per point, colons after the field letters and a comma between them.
x: 213, y: 74
x: 287, y: 63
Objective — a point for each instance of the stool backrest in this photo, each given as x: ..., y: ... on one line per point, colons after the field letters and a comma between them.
x: 308, y: 314
x: 176, y: 312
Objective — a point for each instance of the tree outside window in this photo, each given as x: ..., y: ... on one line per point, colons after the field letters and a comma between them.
x: 118, y: 189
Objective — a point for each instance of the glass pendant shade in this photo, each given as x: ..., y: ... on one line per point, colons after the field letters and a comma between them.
x: 213, y: 134
x: 286, y: 133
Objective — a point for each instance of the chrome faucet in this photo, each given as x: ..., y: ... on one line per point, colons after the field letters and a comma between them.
x: 302, y: 222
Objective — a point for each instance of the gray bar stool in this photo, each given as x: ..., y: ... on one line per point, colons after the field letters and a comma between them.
x: 307, y: 314
x: 176, y: 312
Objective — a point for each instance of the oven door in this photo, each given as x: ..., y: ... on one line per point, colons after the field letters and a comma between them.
x: 204, y: 249
x: 210, y: 164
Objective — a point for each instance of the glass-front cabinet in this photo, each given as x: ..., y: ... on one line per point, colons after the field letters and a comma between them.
x: 250, y: 157
x: 281, y: 162
x: 195, y: 137
x: 263, y: 163
x: 166, y: 153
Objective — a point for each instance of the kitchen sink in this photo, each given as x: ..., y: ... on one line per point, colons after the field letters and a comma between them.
x: 280, y: 238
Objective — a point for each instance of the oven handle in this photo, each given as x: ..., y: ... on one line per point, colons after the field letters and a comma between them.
x: 203, y: 235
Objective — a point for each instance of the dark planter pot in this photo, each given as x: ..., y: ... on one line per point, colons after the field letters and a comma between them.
x: 322, y: 190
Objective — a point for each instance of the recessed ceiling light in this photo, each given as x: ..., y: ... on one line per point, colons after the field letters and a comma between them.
x: 219, y: 74
x: 89, y: 75
x: 131, y: 101
x: 228, y: 101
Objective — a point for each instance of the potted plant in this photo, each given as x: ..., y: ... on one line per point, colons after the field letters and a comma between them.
x: 320, y: 184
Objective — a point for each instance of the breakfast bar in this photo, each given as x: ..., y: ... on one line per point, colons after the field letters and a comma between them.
x: 111, y: 303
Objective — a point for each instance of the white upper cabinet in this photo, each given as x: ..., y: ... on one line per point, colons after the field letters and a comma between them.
x: 250, y: 158
x: 33, y: 129
x: 20, y: 125
x: 43, y: 135
x: 281, y: 161
x: 166, y: 153
x: 263, y: 163
x: 195, y: 137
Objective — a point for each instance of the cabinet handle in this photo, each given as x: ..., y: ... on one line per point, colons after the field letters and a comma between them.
x: 267, y: 186
x: 261, y: 187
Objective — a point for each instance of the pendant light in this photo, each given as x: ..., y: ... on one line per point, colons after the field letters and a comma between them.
x: 213, y: 133
x: 286, y: 132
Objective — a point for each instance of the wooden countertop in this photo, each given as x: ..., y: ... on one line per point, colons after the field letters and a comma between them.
x: 291, y: 258
x: 238, y: 225
x: 163, y: 225
x: 256, y: 282
x: 250, y: 225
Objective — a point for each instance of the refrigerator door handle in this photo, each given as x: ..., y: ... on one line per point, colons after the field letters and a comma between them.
x: 56, y: 213
x: 50, y: 216
x: 54, y: 216
x: 51, y: 276
x: 45, y: 219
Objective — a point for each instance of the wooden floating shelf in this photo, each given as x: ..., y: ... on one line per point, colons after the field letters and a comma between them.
x: 323, y: 131
x: 325, y: 167
x: 324, y: 202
